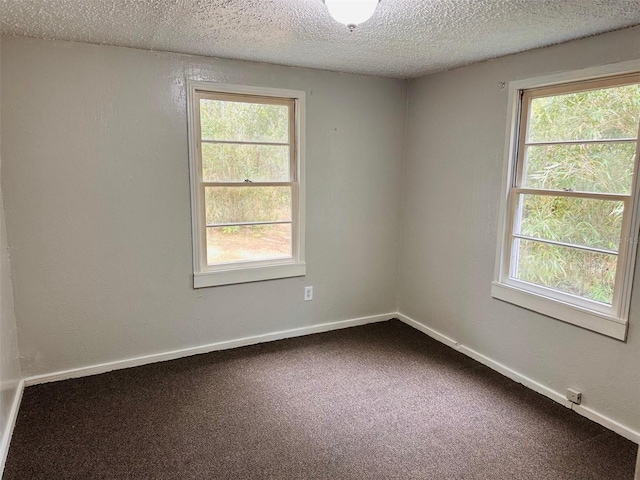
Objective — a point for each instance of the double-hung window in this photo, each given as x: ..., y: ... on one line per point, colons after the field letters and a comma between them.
x: 247, y: 183
x: 568, y: 242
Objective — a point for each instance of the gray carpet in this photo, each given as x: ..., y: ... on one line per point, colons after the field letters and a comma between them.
x: 382, y: 401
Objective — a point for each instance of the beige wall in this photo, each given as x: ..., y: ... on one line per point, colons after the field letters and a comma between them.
x: 97, y: 196
x: 452, y: 188
x: 9, y: 358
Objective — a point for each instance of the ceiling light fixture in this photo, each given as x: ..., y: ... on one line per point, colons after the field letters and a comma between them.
x: 351, y: 12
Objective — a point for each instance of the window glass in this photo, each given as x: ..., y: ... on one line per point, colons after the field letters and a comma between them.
x: 582, y: 273
x: 248, y: 243
x: 239, y: 162
x: 223, y: 120
x: 247, y: 204
x: 581, y: 221
x: 603, y: 113
x: 592, y: 167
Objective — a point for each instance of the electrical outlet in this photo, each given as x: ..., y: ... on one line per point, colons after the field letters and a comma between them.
x: 308, y: 294
x: 574, y: 396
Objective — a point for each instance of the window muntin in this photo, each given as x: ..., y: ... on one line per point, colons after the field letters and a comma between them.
x: 246, y: 183
x: 568, y: 231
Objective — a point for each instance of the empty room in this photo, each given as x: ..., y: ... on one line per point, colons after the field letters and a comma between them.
x: 319, y: 239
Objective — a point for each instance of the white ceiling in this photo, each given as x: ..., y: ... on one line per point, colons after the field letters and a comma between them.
x: 405, y: 38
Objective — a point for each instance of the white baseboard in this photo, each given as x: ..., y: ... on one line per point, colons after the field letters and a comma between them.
x: 5, y: 439
x: 186, y: 352
x: 587, y: 412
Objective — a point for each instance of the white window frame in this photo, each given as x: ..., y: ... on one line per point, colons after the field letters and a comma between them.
x: 242, y: 272
x: 607, y: 320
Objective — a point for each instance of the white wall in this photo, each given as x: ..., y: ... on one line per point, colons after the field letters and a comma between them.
x: 452, y: 188
x: 98, y: 214
x: 9, y: 358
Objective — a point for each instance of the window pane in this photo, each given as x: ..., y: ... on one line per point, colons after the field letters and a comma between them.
x: 247, y: 204
x: 603, y: 168
x: 585, y: 274
x: 581, y: 221
x: 244, y: 122
x: 248, y: 243
x: 237, y: 163
x: 591, y: 115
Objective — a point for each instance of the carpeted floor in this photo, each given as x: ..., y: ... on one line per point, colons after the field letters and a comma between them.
x: 382, y: 401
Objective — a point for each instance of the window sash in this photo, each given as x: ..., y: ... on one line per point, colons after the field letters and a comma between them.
x: 293, y: 175
x: 619, y: 307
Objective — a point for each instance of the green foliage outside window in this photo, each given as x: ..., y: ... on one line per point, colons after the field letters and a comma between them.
x: 604, y: 114
x: 246, y: 143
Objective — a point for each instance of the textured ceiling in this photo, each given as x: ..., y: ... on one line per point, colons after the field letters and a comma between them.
x: 405, y: 38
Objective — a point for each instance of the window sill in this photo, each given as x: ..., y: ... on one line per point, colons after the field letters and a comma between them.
x: 597, y: 322
x: 248, y: 274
